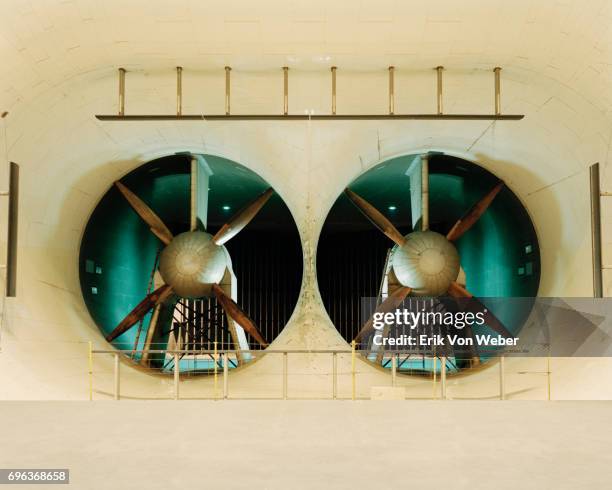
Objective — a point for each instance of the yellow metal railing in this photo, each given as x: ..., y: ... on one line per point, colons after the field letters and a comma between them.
x: 351, y: 380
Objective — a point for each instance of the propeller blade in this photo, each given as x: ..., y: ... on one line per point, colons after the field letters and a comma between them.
x: 200, y: 178
x: 238, y: 315
x: 157, y: 226
x: 241, y: 218
x: 457, y: 291
x: 376, y: 217
x: 158, y: 296
x: 474, y: 213
x: 389, y: 304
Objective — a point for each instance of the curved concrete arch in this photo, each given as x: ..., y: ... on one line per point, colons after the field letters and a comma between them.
x: 59, y: 69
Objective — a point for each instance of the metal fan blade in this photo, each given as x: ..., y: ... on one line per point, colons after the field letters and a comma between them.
x: 376, y: 217
x: 241, y: 219
x: 475, y: 212
x: 389, y: 304
x: 200, y: 176
x: 157, y: 226
x: 238, y: 315
x: 158, y: 296
x: 473, y: 304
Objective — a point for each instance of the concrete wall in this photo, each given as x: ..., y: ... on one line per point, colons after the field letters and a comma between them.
x: 59, y: 69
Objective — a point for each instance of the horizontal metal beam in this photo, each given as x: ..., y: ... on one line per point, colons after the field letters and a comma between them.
x: 131, y: 352
x: 313, y: 117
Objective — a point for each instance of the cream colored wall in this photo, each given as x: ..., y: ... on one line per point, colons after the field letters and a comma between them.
x: 59, y: 69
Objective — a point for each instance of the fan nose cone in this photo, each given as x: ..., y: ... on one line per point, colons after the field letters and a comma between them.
x: 427, y: 262
x: 191, y: 263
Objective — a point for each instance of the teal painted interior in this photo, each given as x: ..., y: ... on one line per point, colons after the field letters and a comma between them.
x: 118, y: 251
x: 495, y: 249
x: 500, y: 253
x: 122, y: 250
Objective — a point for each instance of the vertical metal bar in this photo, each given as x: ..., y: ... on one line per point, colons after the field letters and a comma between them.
x: 391, y: 89
x: 439, y: 70
x: 435, y: 375
x: 393, y: 369
x: 179, y: 90
x: 425, y: 192
x: 334, y: 375
x: 353, y: 387
x: 502, y: 379
x: 596, y: 231
x: 285, y: 90
x: 285, y: 362
x: 116, y: 373
x: 13, y: 222
x: 225, y: 375
x: 443, y: 378
x: 497, y: 71
x: 122, y: 91
x: 215, y: 359
x: 177, y: 371
x: 333, y: 103
x: 227, y: 90
x: 90, y: 369
x: 548, y: 374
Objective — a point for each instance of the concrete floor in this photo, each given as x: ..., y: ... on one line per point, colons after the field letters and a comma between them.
x: 313, y: 444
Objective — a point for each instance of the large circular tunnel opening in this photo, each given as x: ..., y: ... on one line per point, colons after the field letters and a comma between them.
x: 499, y: 255
x: 220, y: 268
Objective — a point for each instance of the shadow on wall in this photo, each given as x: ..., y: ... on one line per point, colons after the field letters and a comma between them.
x: 549, y: 243
x: 103, y: 176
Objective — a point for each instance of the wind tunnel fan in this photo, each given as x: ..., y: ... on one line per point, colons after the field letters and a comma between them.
x: 425, y: 263
x: 193, y: 264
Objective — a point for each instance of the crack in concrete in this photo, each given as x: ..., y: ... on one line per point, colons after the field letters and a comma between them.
x: 481, y: 135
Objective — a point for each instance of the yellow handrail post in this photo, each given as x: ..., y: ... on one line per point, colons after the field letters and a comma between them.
x: 353, y: 369
x: 177, y: 373
x: 285, y: 374
x: 435, y: 374
x: 548, y: 375
x: 90, y: 370
x: 502, y: 379
x: 225, y: 380
x: 334, y: 375
x: 215, y: 360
